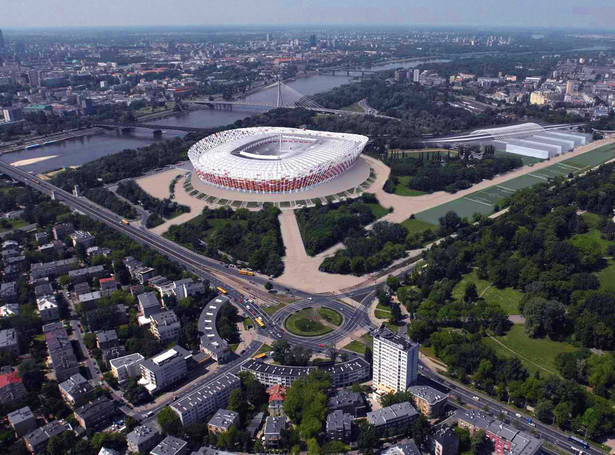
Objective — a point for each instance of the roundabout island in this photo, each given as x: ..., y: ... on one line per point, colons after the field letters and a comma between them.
x: 313, y: 322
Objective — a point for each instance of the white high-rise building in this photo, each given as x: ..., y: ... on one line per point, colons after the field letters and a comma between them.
x: 395, y: 361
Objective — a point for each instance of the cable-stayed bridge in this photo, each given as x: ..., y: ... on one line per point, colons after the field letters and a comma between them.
x: 275, y: 95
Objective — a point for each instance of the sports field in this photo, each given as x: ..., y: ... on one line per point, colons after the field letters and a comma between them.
x: 484, y: 201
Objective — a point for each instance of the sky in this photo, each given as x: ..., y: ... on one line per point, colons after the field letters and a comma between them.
x: 476, y: 13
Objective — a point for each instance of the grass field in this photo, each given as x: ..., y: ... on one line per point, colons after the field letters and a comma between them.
x: 484, y: 201
x: 401, y: 189
x: 355, y: 346
x: 607, y: 277
x: 307, y: 323
x: 378, y: 210
x: 507, y: 298
x: 591, y: 240
x: 537, y: 354
x: 354, y: 107
x: 416, y: 226
x: 270, y: 310
x: 14, y: 224
x: 331, y: 316
x: 382, y: 314
x: 264, y: 348
x: 247, y: 322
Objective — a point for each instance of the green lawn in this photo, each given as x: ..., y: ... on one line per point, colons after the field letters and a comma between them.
x: 264, y: 348
x: 307, y: 323
x: 354, y: 107
x: 355, y: 346
x: 416, y: 226
x: 401, y: 189
x: 247, y: 322
x: 331, y: 316
x: 507, y: 298
x: 607, y: 277
x: 392, y: 327
x: 382, y: 314
x: 270, y: 310
x: 591, y: 240
x: 378, y: 210
x: 537, y: 354
x: 14, y: 224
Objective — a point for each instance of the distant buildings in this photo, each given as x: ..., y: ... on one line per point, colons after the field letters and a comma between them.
x: 340, y: 426
x: 211, y: 342
x: 12, y: 390
x: 342, y: 374
x: 76, y: 390
x: 95, y: 413
x: 429, y: 401
x: 395, y: 364
x: 48, y: 308
x: 125, y: 367
x: 106, y: 339
x: 164, y: 369
x: 171, y: 446
x: 273, y: 430
x: 9, y: 342
x: 53, y: 269
x: 165, y: 326
x: 36, y: 441
x: 392, y: 419
x: 206, y: 400
x: 347, y: 401
x: 22, y: 420
x: 60, y: 349
x: 444, y: 441
x: 506, y: 439
x: 409, y: 448
x: 143, y: 439
x: 222, y: 421
x: 148, y: 304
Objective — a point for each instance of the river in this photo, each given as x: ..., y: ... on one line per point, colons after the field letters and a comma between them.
x: 74, y: 152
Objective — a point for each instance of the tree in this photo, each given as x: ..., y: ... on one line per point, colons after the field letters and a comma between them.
x: 198, y: 433
x: 471, y: 294
x: 89, y: 339
x: 169, y: 422
x: 313, y: 447
x: 393, y: 282
x: 237, y: 402
x: 268, y: 286
x: 367, y: 436
x: 395, y: 314
x: 369, y: 356
x: 544, y: 411
x: 544, y: 317
x: 62, y: 443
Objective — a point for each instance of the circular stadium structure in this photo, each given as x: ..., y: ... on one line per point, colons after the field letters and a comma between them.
x: 274, y: 160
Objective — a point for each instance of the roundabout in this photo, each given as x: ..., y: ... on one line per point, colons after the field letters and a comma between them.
x: 313, y: 322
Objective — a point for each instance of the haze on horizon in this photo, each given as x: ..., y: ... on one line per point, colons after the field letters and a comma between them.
x: 597, y: 14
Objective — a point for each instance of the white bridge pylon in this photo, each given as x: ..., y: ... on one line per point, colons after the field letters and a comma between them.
x: 277, y: 94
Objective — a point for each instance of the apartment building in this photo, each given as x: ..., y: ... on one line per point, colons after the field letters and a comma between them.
x: 395, y: 364
x: 165, y: 326
x: 164, y: 369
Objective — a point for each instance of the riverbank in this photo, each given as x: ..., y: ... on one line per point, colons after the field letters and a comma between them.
x: 49, y: 139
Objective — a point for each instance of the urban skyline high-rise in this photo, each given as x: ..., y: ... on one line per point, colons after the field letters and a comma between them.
x: 395, y: 361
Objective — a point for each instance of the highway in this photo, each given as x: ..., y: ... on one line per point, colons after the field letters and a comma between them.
x: 219, y: 275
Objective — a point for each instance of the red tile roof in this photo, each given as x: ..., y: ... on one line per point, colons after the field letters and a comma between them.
x: 10, y: 378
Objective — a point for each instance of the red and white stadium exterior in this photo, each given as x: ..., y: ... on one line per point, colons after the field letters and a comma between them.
x: 227, y: 159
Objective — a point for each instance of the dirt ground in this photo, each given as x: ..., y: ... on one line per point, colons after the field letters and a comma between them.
x: 301, y: 270
x: 158, y: 186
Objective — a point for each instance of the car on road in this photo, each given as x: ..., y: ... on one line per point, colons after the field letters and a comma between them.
x: 517, y: 415
x: 475, y: 398
x: 320, y: 345
x: 310, y: 298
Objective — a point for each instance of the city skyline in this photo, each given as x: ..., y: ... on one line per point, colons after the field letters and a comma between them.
x: 472, y: 13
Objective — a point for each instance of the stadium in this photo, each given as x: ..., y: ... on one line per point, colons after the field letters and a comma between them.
x: 273, y: 160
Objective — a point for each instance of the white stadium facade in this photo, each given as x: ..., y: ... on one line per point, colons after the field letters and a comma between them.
x: 270, y: 160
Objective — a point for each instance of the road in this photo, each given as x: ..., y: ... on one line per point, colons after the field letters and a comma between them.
x: 219, y: 275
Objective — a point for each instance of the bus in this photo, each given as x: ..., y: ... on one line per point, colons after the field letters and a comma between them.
x: 221, y: 290
x: 260, y: 356
x: 259, y: 321
x: 578, y: 441
x: 247, y: 272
